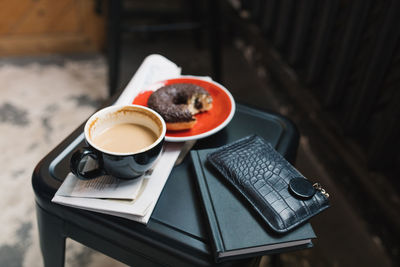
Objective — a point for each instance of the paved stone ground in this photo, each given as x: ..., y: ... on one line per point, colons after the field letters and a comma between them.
x: 37, y: 96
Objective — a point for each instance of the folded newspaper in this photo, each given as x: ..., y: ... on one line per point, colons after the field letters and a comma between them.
x: 133, y: 199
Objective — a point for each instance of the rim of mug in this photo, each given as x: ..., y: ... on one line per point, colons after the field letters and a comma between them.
x: 115, y: 108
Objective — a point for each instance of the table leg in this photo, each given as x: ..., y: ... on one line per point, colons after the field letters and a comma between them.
x: 52, y: 240
x: 113, y: 43
x: 214, y: 39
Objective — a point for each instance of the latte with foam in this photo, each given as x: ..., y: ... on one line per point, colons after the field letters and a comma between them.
x: 125, y: 138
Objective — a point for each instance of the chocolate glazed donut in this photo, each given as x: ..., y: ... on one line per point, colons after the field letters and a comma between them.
x: 178, y: 103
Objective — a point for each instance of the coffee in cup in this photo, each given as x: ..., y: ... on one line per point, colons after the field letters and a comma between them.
x: 123, y: 140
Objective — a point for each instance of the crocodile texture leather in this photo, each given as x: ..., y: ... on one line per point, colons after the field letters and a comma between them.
x: 262, y: 176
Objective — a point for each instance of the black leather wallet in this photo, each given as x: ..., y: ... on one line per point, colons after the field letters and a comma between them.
x: 275, y: 189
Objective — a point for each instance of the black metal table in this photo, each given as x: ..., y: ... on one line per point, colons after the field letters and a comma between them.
x: 176, y: 234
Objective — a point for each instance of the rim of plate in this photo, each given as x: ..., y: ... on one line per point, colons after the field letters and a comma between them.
x: 212, y: 131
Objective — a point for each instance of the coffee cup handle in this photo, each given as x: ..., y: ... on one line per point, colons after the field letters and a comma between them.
x: 76, y: 162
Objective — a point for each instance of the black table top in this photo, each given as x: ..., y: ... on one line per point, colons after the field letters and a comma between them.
x: 177, y: 220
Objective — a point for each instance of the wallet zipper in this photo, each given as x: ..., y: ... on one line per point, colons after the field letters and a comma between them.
x: 318, y: 187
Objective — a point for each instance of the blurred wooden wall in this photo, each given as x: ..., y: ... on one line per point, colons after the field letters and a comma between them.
x: 33, y: 27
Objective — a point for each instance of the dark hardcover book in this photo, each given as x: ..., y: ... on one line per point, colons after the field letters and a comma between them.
x: 235, y: 229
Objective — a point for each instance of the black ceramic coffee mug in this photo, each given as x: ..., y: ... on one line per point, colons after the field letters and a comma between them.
x: 124, y: 141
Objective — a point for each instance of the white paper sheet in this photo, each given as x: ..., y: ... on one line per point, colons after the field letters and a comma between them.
x: 146, y: 200
x: 102, y: 187
x: 153, y: 69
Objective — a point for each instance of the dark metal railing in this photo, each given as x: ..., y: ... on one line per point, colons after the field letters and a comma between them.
x: 347, y: 54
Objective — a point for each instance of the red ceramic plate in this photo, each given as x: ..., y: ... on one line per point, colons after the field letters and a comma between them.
x: 208, y: 122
